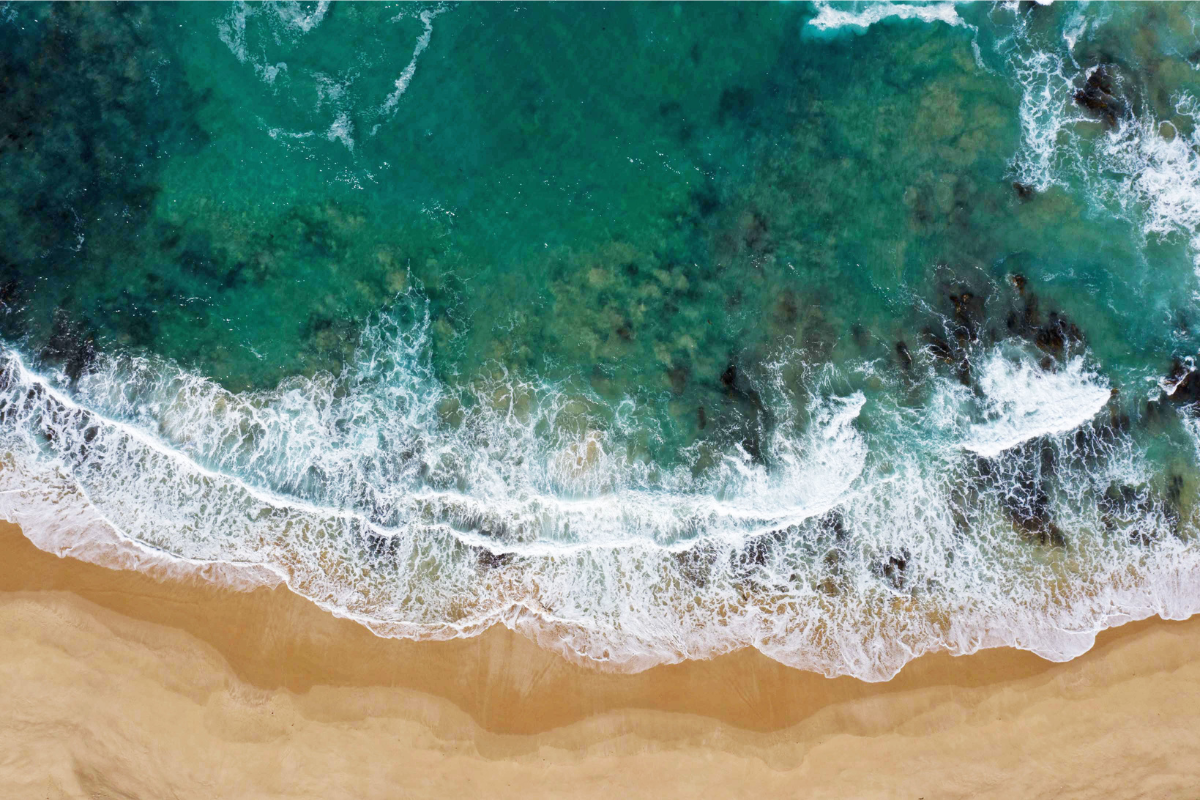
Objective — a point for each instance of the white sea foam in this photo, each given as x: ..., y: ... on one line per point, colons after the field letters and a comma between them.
x: 861, y: 16
x: 1143, y: 169
x: 231, y: 29
x: 1046, y: 117
x: 426, y: 16
x: 379, y: 496
x: 1023, y: 402
x: 285, y: 23
x: 267, y: 73
x: 1156, y: 178
x: 293, y: 15
x: 342, y: 130
x: 280, y: 133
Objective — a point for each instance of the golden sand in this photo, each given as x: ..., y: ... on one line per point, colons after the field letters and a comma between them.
x: 116, y: 685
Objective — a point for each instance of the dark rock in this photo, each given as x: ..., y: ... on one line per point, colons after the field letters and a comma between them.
x: 1057, y: 334
x: 1096, y: 95
x: 1047, y: 457
x: 787, y: 310
x: 1175, y: 490
x: 1117, y: 425
x: 1155, y: 413
x: 1024, y: 191
x: 939, y: 347
x: 1184, y: 383
x: 1124, y: 505
x: 754, y: 555
x: 833, y: 524
x: 753, y: 416
x: 968, y: 313
x: 706, y: 199
x: 70, y: 347
x: 381, y: 548
x: 895, y: 569
x: 10, y: 293
x: 737, y: 386
x: 944, y: 352
x: 729, y: 377
x: 752, y: 444
x: 754, y: 232
x: 695, y: 565
x: 1029, y: 509
x: 487, y: 560
x: 1031, y: 317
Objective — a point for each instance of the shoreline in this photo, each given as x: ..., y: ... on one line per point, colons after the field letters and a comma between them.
x: 234, y: 684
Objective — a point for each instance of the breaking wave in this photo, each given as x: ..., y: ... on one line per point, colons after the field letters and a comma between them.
x: 1023, y: 402
x: 866, y: 534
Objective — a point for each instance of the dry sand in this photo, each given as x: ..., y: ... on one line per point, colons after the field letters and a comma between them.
x: 115, y: 685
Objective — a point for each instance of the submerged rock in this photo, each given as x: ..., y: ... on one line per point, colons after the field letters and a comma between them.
x: 832, y: 525
x: 487, y: 560
x: 969, y: 314
x: 1096, y: 95
x: 1054, y: 337
x: 1057, y: 334
x: 1029, y: 509
x: 70, y: 347
x: 695, y: 565
x: 943, y: 351
x: 381, y: 548
x: 755, y: 413
x: 894, y: 569
x: 1123, y: 506
x: 939, y: 347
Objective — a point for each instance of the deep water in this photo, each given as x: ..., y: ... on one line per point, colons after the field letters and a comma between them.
x: 844, y: 331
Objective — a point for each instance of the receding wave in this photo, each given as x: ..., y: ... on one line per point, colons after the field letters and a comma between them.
x: 429, y: 511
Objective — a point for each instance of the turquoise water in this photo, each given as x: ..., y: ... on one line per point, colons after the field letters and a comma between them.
x: 843, y: 331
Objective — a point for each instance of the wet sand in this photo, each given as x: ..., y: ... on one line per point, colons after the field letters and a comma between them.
x: 118, y: 685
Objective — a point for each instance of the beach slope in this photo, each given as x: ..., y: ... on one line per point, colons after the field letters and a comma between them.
x: 117, y: 685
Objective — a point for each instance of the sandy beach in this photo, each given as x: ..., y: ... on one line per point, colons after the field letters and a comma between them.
x: 121, y: 686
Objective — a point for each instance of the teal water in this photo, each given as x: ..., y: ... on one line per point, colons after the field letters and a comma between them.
x: 843, y: 331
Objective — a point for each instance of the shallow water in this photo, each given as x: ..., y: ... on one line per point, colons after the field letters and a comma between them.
x: 847, y: 331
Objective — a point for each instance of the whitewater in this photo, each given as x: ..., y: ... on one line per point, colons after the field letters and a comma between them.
x: 977, y: 490
x: 850, y: 554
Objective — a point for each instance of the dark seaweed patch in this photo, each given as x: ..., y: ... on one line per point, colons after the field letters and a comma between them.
x: 70, y: 347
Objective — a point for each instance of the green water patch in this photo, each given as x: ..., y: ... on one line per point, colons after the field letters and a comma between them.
x: 648, y: 201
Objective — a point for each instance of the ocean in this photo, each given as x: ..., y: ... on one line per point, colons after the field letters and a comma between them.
x: 844, y: 331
